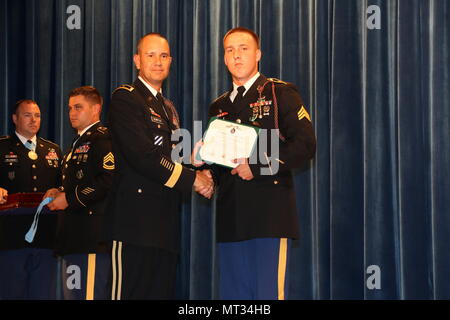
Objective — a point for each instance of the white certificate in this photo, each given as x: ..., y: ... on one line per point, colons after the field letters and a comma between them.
x: 225, y: 141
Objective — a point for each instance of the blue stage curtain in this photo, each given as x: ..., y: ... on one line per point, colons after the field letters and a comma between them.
x: 375, y: 204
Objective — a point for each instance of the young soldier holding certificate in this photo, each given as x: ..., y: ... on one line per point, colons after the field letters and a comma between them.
x: 256, y: 208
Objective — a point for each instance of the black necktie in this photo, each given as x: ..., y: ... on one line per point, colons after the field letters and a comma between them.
x: 29, y: 145
x: 160, y: 99
x: 240, y: 95
x: 69, y: 155
x: 75, y: 140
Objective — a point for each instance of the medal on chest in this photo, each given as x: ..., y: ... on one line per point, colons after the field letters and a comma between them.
x: 260, y: 108
x: 32, y: 155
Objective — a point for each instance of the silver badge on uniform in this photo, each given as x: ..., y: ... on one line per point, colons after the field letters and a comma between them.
x: 80, y: 174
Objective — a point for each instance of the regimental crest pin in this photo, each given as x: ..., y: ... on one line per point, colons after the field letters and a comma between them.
x: 80, y: 174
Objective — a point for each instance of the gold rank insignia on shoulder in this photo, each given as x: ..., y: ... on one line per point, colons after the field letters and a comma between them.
x: 108, y: 162
x: 276, y: 80
x: 102, y: 129
x: 127, y: 87
x: 303, y: 114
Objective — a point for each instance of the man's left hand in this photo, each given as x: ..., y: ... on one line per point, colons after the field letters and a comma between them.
x: 59, y: 203
x: 243, y: 169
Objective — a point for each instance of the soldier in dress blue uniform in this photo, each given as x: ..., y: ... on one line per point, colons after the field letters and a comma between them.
x: 28, y: 163
x: 256, y: 209
x: 87, y: 171
x: 148, y: 183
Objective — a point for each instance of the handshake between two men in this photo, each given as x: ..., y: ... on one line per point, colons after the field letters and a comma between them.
x: 204, y: 183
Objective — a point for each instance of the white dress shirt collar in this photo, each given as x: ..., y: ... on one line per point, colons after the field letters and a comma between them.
x: 24, y: 140
x: 247, y: 86
x: 149, y: 87
x: 87, y: 128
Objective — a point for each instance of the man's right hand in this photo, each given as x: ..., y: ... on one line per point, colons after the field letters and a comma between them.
x: 196, y: 163
x: 204, y: 183
x: 3, y: 195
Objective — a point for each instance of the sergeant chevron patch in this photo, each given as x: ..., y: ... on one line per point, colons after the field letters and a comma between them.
x: 303, y: 114
x: 108, y: 161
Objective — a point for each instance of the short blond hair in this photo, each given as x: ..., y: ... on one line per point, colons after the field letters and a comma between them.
x: 244, y: 30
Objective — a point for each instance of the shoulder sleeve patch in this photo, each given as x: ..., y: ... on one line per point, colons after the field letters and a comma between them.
x: 127, y: 87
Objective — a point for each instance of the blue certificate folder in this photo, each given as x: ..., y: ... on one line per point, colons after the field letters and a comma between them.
x: 15, y: 223
x: 233, y: 126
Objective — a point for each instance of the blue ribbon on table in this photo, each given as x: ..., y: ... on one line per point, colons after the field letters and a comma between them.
x: 29, y: 237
